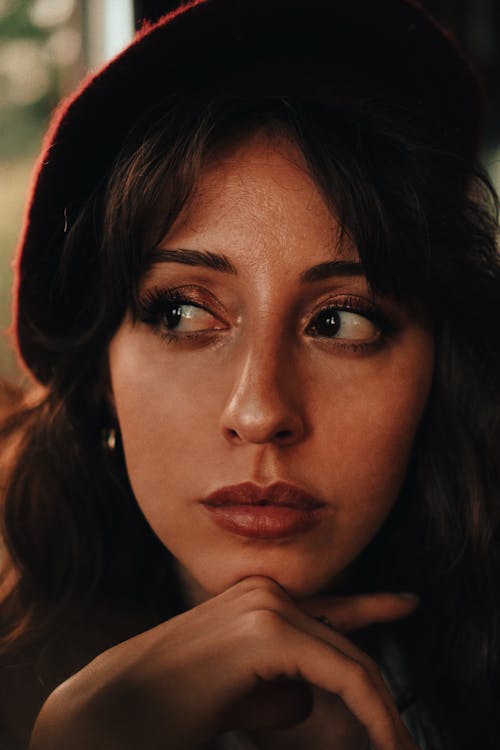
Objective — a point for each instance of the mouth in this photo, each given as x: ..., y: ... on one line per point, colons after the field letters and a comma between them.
x: 275, y: 512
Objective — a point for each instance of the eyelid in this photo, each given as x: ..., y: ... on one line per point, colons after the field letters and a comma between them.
x: 351, y: 303
x: 187, y: 293
x: 357, y: 305
x: 151, y: 307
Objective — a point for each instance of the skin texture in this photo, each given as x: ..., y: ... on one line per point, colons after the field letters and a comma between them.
x: 252, y: 388
x: 254, y: 396
x: 248, y: 659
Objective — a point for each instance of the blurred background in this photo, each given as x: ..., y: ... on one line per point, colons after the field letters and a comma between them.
x: 47, y: 46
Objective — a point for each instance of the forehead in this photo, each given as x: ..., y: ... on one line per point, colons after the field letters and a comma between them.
x: 259, y: 194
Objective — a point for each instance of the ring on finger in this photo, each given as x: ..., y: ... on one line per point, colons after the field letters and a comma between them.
x: 324, y: 619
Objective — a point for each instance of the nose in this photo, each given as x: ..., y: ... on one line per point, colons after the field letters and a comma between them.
x: 265, y: 404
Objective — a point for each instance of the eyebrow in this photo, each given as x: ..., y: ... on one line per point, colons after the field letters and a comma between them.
x: 221, y: 263
x: 332, y: 268
x: 204, y: 258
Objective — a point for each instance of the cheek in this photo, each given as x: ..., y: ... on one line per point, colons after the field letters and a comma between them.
x: 362, y: 419
x: 362, y: 414
x: 165, y: 413
x: 364, y: 443
x: 367, y: 433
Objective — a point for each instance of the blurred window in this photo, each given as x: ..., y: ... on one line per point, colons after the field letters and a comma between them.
x: 46, y: 47
x: 109, y: 27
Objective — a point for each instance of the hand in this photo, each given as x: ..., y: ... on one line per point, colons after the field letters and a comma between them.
x: 329, y: 725
x: 200, y: 674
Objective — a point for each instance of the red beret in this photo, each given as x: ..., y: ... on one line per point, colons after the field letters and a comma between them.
x: 199, y: 41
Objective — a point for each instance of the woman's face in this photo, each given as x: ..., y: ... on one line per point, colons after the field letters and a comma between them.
x: 259, y: 355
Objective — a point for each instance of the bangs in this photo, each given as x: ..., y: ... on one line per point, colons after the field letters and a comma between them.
x: 399, y: 201
x: 407, y: 196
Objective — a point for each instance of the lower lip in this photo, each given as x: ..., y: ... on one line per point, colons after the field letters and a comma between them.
x: 263, y: 521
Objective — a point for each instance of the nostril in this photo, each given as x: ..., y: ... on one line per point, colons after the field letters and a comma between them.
x: 283, y: 434
x: 259, y: 429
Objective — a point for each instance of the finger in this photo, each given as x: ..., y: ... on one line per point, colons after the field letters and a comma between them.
x: 268, y: 597
x: 266, y: 609
x: 297, y: 654
x: 279, y: 704
x: 324, y: 630
x: 348, y: 613
x: 261, y: 595
x: 265, y: 595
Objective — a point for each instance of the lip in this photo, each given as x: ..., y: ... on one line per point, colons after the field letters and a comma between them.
x: 274, y: 512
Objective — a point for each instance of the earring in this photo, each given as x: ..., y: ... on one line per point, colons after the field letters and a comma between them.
x: 108, y: 439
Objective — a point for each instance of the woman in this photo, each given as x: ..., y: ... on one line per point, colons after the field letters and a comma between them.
x: 258, y: 288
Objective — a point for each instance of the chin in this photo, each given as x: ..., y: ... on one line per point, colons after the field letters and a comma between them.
x: 298, y: 583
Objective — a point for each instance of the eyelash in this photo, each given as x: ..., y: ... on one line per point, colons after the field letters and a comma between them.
x: 151, y: 307
x: 366, y: 310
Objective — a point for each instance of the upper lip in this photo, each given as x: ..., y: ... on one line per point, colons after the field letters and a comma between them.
x: 279, y: 493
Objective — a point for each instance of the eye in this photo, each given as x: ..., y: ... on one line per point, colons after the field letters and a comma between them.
x: 187, y: 318
x: 172, y: 314
x: 345, y: 324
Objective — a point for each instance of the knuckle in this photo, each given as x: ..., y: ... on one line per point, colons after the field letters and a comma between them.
x: 262, y: 583
x: 360, y: 677
x: 262, y: 623
x: 263, y: 598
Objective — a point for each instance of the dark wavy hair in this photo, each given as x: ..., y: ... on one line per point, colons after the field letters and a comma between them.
x: 424, y: 221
